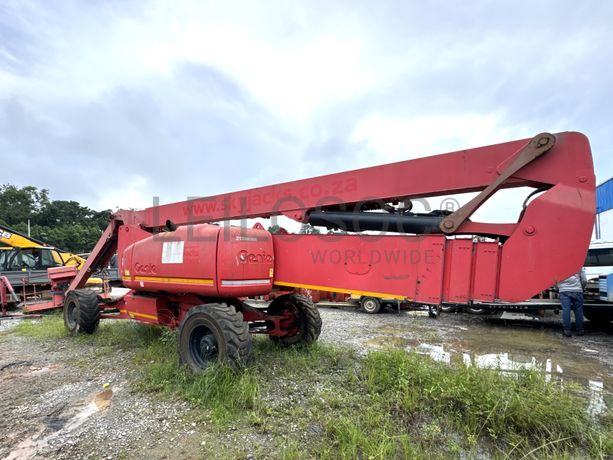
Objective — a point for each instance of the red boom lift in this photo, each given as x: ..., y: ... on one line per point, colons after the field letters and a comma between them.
x: 183, y: 271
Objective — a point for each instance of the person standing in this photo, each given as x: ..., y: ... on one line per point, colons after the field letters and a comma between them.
x: 571, y: 297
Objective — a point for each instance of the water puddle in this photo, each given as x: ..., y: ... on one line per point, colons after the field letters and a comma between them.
x: 103, y: 399
x: 509, y: 351
x: 32, y: 445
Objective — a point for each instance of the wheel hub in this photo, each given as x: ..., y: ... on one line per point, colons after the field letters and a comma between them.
x: 72, y: 314
x: 204, y: 347
x: 208, y: 347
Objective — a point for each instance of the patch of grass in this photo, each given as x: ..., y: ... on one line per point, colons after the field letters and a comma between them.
x: 326, y: 402
x: 124, y: 334
x: 50, y: 326
x: 389, y: 404
x: 225, y: 392
x: 230, y: 394
x: 520, y: 414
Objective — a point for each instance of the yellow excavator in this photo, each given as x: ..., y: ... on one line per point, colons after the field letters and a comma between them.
x: 22, y: 252
x: 19, y: 252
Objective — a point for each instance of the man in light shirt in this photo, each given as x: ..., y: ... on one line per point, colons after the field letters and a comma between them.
x: 571, y: 297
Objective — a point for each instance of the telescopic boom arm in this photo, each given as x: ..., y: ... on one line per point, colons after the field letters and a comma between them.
x: 547, y: 243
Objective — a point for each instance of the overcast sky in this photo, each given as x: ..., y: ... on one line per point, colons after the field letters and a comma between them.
x: 113, y: 102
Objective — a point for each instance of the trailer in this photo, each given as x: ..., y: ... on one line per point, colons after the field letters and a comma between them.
x: 183, y: 270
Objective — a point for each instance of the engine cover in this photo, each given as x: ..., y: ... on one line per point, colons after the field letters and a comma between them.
x: 202, y: 259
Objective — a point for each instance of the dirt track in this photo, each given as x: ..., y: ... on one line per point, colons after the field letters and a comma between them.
x: 55, y: 403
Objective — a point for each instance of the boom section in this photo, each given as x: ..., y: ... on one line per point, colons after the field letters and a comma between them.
x: 470, y: 170
x: 547, y: 243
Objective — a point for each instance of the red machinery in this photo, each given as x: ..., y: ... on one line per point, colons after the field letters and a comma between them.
x: 182, y: 271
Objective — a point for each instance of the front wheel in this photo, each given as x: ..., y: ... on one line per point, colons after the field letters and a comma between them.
x: 81, y: 311
x: 302, y: 320
x: 213, y: 333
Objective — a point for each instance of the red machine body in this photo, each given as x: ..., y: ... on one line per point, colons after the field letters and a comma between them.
x: 199, y: 260
x: 172, y: 260
x: 429, y: 269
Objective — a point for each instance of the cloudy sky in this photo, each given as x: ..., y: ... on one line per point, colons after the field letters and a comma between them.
x: 113, y: 102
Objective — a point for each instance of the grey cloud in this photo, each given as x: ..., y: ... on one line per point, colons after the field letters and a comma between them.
x: 198, y: 131
x: 195, y: 133
x: 546, y: 67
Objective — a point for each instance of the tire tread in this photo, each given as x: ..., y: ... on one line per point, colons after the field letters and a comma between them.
x: 89, y: 310
x: 311, y: 323
x: 238, y: 340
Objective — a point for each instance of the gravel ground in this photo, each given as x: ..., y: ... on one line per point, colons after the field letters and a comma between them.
x: 53, y: 409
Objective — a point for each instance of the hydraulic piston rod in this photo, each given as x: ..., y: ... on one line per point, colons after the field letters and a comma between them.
x: 376, y: 221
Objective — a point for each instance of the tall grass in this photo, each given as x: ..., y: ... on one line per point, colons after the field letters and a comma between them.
x: 225, y: 392
x: 522, y: 413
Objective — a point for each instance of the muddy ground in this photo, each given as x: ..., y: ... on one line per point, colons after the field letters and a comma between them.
x: 56, y: 406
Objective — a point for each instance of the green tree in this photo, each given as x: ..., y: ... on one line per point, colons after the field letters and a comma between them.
x: 17, y: 205
x: 60, y: 223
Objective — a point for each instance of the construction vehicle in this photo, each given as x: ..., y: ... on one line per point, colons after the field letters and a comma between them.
x: 182, y: 270
x: 22, y: 252
x: 24, y: 262
x: 374, y: 305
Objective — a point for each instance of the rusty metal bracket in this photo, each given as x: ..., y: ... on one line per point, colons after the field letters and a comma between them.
x: 539, y: 145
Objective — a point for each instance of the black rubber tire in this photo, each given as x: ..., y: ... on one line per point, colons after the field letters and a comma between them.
x: 370, y: 305
x: 307, y: 315
x: 449, y: 309
x: 81, y: 311
x: 219, y: 328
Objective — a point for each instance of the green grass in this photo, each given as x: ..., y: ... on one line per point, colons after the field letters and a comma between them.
x: 126, y: 335
x: 326, y: 402
x: 50, y: 326
x: 221, y: 390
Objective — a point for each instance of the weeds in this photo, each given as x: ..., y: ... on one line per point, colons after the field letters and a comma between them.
x: 326, y: 402
x: 525, y: 413
x: 223, y: 391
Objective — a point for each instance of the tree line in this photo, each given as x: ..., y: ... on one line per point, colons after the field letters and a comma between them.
x: 63, y: 224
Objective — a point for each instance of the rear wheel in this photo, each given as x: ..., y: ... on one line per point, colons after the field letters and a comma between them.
x: 213, y: 333
x: 302, y: 322
x: 81, y: 311
x: 370, y: 304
